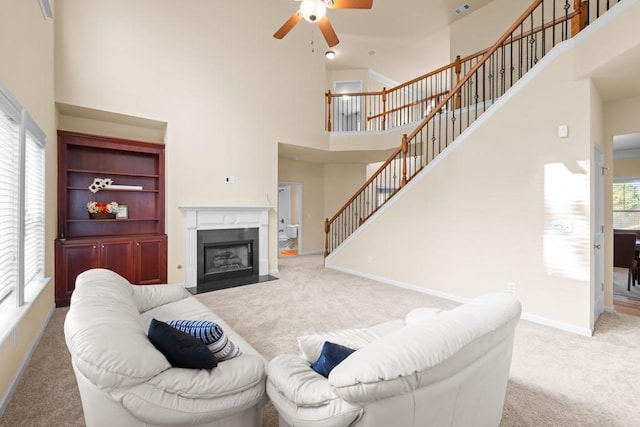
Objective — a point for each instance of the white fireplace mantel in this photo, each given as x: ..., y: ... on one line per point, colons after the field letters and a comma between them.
x: 200, y: 217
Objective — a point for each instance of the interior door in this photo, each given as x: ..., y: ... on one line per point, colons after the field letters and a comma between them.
x: 284, y: 207
x: 347, y: 114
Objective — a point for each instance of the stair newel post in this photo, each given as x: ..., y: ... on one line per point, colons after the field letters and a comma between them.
x: 384, y: 108
x: 326, y: 237
x: 329, y: 98
x: 458, y: 70
x: 404, y: 150
x: 579, y: 21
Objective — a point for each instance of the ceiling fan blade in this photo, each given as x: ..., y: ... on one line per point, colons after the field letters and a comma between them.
x: 287, y: 26
x: 350, y: 4
x: 327, y: 31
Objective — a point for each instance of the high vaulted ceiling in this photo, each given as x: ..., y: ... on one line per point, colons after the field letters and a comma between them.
x: 382, y: 38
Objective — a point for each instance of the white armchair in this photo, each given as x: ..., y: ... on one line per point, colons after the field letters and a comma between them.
x: 446, y: 368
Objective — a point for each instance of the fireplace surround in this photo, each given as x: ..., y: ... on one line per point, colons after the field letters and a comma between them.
x: 236, y: 238
x: 227, y: 254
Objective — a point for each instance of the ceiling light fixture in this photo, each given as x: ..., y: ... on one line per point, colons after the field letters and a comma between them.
x: 330, y: 54
x: 313, y: 10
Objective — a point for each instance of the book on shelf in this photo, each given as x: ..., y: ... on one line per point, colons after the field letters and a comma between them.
x: 125, y: 187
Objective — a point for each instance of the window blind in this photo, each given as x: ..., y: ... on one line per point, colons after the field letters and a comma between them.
x: 626, y: 204
x: 34, y: 209
x: 9, y: 161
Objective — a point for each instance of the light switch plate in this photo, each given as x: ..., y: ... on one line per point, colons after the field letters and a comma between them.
x: 563, y: 131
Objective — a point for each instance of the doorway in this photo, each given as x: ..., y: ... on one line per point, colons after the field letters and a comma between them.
x: 289, y: 218
x: 626, y: 212
x: 347, y: 114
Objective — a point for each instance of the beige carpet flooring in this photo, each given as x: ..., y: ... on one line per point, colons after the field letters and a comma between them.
x: 557, y: 378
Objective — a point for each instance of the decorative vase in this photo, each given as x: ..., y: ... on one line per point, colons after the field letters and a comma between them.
x: 102, y: 215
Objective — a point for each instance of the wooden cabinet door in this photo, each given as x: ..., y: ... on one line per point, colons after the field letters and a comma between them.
x: 151, y: 260
x: 117, y: 255
x: 72, y: 258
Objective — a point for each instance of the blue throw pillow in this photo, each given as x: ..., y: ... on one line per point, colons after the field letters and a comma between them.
x: 330, y: 356
x: 181, y: 349
x: 211, y: 334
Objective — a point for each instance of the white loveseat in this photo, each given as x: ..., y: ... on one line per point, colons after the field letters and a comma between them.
x: 124, y: 381
x: 435, y: 368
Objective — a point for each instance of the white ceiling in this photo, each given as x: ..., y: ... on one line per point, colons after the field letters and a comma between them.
x: 627, y: 145
x: 384, y: 37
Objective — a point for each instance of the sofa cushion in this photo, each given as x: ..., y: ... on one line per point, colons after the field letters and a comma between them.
x: 330, y: 357
x: 210, y: 334
x: 181, y: 349
x: 194, y: 396
x: 192, y: 308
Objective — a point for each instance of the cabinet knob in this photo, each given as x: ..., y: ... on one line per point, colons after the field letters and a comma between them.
x: 94, y: 246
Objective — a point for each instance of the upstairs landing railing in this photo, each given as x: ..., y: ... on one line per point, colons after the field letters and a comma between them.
x: 485, y: 77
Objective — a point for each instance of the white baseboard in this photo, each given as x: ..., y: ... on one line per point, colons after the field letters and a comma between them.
x: 318, y: 252
x: 529, y: 317
x: 7, y: 397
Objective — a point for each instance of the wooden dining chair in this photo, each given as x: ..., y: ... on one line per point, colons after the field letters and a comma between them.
x: 624, y: 254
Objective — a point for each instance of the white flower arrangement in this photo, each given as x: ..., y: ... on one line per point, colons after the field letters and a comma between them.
x: 100, y: 183
x: 102, y: 207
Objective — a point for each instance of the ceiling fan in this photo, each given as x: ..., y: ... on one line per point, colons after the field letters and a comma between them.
x: 315, y: 11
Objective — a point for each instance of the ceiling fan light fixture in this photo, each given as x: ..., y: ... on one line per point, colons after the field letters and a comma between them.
x: 312, y: 10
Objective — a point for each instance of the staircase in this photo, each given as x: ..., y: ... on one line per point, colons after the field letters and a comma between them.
x: 443, y: 114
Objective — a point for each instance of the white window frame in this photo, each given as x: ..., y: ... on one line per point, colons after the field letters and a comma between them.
x: 626, y: 180
x: 15, y: 303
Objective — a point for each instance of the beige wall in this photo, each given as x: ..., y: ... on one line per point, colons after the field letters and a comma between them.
x: 26, y: 69
x: 479, y: 220
x: 227, y: 96
x: 482, y: 28
x: 341, y: 181
x: 504, y: 216
x: 325, y: 188
x: 627, y: 168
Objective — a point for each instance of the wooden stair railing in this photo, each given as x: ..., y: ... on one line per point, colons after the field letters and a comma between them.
x: 487, y: 75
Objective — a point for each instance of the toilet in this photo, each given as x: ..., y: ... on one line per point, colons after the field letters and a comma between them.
x: 291, y: 231
x: 286, y: 236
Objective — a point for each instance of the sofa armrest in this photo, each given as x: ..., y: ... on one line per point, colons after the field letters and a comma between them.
x: 293, y: 377
x: 152, y: 296
x: 303, y: 397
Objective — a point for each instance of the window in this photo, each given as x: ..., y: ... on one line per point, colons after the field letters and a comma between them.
x: 22, y: 203
x: 626, y: 204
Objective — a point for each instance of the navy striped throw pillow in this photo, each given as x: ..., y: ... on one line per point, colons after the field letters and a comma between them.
x: 211, y: 334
